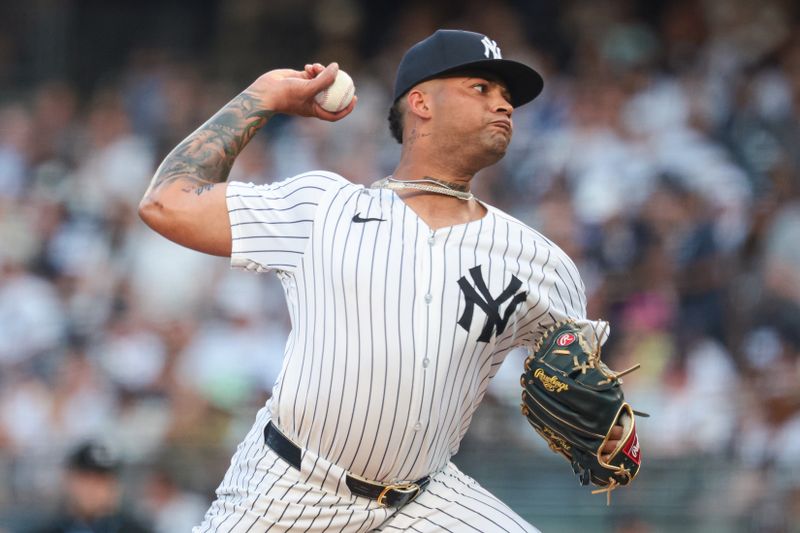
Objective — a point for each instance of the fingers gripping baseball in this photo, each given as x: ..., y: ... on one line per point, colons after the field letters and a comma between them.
x: 292, y: 91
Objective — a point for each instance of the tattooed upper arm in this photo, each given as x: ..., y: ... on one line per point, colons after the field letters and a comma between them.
x: 183, y: 202
x: 197, y: 189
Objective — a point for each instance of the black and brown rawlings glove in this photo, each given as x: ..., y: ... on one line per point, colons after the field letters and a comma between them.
x: 573, y: 400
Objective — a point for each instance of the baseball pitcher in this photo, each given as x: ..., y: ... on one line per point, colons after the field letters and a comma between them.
x: 405, y: 297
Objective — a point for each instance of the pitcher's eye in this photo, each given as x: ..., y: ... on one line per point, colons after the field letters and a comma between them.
x: 481, y: 87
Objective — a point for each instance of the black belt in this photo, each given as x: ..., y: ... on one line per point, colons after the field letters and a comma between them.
x: 394, y: 495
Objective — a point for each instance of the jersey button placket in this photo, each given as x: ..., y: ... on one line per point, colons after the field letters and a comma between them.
x: 427, y: 298
x: 431, y: 241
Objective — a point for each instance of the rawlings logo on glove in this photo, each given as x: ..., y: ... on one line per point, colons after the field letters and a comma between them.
x: 550, y: 383
x: 573, y: 400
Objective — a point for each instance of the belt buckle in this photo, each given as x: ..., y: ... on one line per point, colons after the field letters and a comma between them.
x: 402, y: 488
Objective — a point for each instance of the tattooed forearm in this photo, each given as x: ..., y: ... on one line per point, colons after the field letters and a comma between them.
x: 206, y: 156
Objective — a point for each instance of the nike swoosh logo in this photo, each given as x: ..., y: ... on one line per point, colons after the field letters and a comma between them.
x: 358, y: 220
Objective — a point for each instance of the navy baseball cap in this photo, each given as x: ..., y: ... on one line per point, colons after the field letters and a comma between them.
x: 449, y: 51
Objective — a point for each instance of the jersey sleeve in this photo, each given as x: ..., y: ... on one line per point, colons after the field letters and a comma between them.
x: 568, y: 301
x: 271, y: 224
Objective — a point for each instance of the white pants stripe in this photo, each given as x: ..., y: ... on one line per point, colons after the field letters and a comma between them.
x: 262, y: 493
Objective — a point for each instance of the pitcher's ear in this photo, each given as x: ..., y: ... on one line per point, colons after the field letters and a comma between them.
x: 417, y: 101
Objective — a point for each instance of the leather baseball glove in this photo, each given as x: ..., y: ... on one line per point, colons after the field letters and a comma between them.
x: 573, y: 400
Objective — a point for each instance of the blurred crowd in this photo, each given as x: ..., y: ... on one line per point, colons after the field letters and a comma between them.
x: 662, y: 156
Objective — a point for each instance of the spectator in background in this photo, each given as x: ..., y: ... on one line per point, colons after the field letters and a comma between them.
x: 92, y: 495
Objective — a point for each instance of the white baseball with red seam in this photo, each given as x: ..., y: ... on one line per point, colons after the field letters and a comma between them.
x: 338, y: 95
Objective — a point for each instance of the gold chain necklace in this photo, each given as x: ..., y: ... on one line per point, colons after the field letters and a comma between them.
x: 429, y: 185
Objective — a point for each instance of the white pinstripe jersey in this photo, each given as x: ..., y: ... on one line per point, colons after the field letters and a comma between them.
x: 396, y: 329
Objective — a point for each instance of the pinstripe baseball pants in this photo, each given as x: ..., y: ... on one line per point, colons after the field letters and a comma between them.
x: 261, y: 492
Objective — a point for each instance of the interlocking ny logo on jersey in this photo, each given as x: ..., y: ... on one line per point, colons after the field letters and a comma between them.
x: 490, y: 47
x: 490, y: 305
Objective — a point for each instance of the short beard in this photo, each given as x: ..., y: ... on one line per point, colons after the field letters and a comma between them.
x: 496, y: 147
x: 484, y: 150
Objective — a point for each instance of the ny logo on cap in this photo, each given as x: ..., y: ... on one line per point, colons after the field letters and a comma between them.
x: 490, y: 47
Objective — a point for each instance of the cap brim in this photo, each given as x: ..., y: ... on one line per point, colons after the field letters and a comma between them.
x: 522, y: 81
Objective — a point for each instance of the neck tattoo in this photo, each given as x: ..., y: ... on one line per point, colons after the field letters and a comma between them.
x: 426, y: 184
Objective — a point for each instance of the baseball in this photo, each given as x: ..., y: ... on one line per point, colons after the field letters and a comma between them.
x: 338, y: 95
